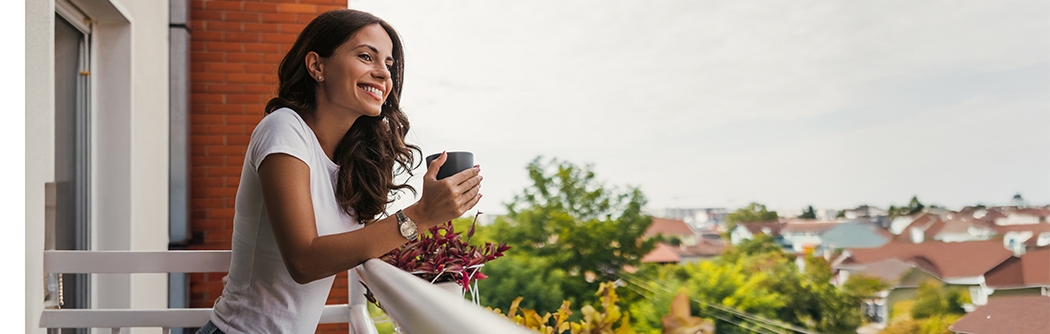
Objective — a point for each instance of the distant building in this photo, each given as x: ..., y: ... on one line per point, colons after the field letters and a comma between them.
x: 1014, y: 315
x: 682, y: 243
x: 696, y: 217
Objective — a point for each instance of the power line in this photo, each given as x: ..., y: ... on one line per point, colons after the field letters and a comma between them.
x: 633, y: 288
x: 757, y: 320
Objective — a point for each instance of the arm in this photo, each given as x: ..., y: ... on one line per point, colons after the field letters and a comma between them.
x: 285, y: 183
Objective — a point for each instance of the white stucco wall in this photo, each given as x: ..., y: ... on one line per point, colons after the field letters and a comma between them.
x: 129, y: 79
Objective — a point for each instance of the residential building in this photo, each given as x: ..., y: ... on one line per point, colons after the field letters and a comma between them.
x: 681, y: 243
x: 1014, y: 315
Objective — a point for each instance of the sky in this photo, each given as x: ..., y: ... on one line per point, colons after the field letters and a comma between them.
x: 703, y: 104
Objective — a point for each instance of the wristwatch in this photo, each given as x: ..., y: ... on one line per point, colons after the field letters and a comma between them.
x: 406, y: 226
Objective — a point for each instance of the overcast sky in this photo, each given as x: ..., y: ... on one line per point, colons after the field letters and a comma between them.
x: 720, y: 103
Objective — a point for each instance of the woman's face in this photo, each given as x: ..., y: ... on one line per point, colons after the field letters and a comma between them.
x: 357, y: 74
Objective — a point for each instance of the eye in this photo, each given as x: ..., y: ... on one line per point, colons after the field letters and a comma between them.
x: 365, y: 56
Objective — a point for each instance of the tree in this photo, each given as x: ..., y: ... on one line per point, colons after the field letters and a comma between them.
x: 808, y: 214
x: 578, y: 225
x: 752, y: 213
x: 914, y: 206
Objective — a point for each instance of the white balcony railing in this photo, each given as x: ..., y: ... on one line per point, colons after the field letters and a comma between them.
x: 413, y: 304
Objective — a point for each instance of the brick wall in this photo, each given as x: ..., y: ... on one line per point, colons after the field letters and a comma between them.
x: 235, y: 47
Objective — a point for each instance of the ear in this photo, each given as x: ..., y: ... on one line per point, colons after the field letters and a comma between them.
x: 314, y: 65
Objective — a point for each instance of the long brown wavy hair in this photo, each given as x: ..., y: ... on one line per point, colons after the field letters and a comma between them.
x: 372, y: 147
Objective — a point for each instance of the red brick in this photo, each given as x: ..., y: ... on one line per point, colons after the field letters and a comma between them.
x: 322, y: 8
x: 242, y: 17
x: 260, y: 88
x: 197, y: 67
x: 225, y: 46
x: 292, y: 28
x: 225, y: 26
x: 279, y: 38
x: 261, y: 47
x: 198, y: 46
x: 261, y: 27
x: 196, y: 5
x: 198, y: 88
x: 206, y: 98
x: 237, y: 140
x: 198, y: 171
x: 209, y: 161
x: 225, y: 88
x: 326, y: 2
x: 197, y: 25
x: 243, y: 98
x: 207, y: 140
x: 226, y: 129
x: 224, y: 67
x: 196, y: 119
x: 237, y: 160
x: 197, y: 149
x: 244, y: 58
x: 260, y: 7
x: 208, y: 56
x: 234, y: 181
x: 208, y: 182
x: 260, y: 68
x: 274, y: 58
x: 279, y: 18
x: 296, y: 8
x: 243, y: 119
x: 222, y: 5
x: 238, y: 77
x: 218, y: 192
x: 204, y: 15
x: 226, y: 108
x: 226, y: 150
x: 242, y: 37
x: 207, y: 36
x: 224, y: 171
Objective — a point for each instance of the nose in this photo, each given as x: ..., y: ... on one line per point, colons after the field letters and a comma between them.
x: 381, y: 72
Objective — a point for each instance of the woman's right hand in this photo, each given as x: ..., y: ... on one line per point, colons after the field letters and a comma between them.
x: 445, y: 199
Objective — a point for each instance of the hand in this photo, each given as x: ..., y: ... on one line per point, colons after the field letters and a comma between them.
x: 445, y: 199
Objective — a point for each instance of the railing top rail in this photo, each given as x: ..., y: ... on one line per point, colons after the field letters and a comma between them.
x: 419, y: 307
x: 132, y: 262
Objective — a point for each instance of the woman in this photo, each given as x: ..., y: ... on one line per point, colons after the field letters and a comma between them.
x: 318, y: 174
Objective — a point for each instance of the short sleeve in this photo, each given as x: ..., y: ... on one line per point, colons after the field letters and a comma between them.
x: 282, y: 131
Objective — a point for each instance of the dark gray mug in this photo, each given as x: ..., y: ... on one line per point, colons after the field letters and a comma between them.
x: 455, y: 163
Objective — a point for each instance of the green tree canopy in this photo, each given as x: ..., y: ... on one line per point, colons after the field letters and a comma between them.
x: 752, y: 213
x: 808, y: 214
x: 579, y: 226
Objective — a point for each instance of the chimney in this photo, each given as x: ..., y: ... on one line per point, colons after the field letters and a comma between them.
x: 917, y: 235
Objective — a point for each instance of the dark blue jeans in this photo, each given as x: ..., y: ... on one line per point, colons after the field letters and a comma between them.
x: 209, y: 328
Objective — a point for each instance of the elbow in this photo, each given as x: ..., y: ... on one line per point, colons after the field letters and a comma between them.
x: 301, y: 273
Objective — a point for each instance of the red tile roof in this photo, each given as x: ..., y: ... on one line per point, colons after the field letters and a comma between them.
x: 1014, y: 315
x: 1034, y: 228
x: 947, y: 259
x: 668, y: 227
x: 759, y: 228
x: 1030, y: 270
x: 812, y: 226
x: 662, y: 254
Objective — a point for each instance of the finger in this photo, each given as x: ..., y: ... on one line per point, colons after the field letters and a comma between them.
x: 463, y: 175
x: 470, y: 204
x: 432, y: 170
x: 468, y: 184
x: 470, y: 193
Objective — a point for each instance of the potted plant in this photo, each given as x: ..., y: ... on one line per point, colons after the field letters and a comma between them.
x: 445, y: 256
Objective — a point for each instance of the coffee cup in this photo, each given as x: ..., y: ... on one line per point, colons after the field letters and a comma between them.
x: 455, y: 163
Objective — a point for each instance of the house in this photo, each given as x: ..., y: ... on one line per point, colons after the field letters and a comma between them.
x: 1024, y: 216
x: 855, y: 234
x: 805, y: 235
x: 959, y: 229
x: 1019, y: 275
x: 1014, y: 315
x: 746, y: 231
x: 681, y: 243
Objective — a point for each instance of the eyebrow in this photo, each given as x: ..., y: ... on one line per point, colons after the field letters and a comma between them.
x: 376, y: 51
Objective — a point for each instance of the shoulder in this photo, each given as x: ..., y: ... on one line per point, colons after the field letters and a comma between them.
x: 282, y: 119
x: 282, y: 131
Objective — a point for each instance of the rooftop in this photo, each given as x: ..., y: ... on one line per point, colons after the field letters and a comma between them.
x: 1014, y: 314
x: 948, y: 259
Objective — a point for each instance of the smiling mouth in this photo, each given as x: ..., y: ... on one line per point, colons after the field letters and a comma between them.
x: 375, y: 92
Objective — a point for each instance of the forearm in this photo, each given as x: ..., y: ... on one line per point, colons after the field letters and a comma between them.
x: 331, y: 254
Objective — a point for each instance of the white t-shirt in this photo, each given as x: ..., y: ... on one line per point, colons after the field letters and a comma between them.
x: 260, y: 295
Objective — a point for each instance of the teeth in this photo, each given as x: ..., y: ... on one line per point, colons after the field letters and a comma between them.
x: 371, y: 89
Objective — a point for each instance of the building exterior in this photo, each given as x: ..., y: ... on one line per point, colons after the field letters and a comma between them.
x: 682, y: 244
x: 97, y: 128
x: 1026, y: 314
x: 138, y: 114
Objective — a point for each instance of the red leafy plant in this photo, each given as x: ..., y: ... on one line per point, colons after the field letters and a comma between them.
x: 444, y: 255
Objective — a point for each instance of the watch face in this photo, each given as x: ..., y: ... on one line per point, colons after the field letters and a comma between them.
x: 408, y: 229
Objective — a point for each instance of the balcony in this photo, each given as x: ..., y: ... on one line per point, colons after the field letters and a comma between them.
x: 413, y: 304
